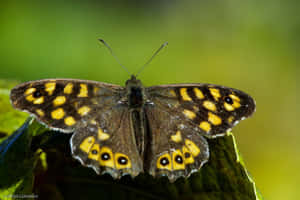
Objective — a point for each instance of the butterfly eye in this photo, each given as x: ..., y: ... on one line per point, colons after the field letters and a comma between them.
x: 228, y: 100
x: 105, y: 156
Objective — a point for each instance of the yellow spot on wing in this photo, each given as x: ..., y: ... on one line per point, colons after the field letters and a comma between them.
x: 235, y: 97
x: 95, y: 101
x: 196, y: 108
x: 189, y: 114
x: 177, y: 137
x: 101, y: 135
x: 236, y: 104
x: 110, y: 161
x: 30, y: 98
x: 184, y: 94
x: 50, y: 87
x: 177, y: 165
x: 230, y: 119
x: 68, y: 88
x: 94, y: 152
x: 83, y: 110
x: 192, y: 147
x: 30, y: 91
x: 214, y: 119
x: 40, y: 112
x: 205, y: 126
x: 59, y: 113
x: 215, y: 93
x: 119, y: 165
x: 198, y: 93
x: 209, y: 105
x: 59, y: 100
x: 188, y: 158
x: 83, y: 91
x: 39, y: 100
x: 236, y: 101
x: 168, y: 166
x: 87, y: 143
x: 96, y: 90
x: 228, y: 107
x: 70, y: 121
x: 75, y: 104
x: 172, y: 93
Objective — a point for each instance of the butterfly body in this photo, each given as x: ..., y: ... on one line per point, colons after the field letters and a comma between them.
x: 118, y: 130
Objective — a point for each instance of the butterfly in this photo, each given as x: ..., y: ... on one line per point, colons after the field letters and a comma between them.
x: 162, y: 130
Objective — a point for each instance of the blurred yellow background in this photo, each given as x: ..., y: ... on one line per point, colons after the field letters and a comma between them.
x: 249, y: 45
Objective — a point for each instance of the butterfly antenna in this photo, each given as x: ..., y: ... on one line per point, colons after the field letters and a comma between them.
x: 157, y: 51
x: 113, y: 54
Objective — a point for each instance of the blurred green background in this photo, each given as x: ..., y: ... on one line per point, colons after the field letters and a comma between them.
x: 250, y: 45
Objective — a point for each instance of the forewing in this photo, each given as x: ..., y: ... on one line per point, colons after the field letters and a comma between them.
x: 64, y: 104
x: 107, y: 143
x: 211, y: 110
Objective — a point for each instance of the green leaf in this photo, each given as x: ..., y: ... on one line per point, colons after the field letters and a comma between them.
x: 16, y: 164
x: 17, y: 160
x: 223, y: 177
x: 10, y: 119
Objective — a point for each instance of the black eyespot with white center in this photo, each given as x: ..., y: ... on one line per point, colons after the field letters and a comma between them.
x: 179, y: 159
x: 164, y: 161
x: 228, y: 100
x: 187, y: 155
x: 105, y: 156
x: 94, y: 152
x: 122, y: 160
x: 37, y: 94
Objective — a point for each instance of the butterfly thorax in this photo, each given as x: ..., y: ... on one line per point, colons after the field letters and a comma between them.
x: 135, y: 93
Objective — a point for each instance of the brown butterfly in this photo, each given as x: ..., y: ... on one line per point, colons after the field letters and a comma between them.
x: 119, y: 130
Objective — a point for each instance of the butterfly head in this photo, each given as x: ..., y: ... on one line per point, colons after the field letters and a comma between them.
x: 133, y: 82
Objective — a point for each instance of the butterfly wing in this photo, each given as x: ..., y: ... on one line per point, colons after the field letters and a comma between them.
x: 212, y: 110
x: 103, y: 136
x: 180, y: 115
x: 175, y: 150
x: 107, y: 143
x: 62, y: 104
